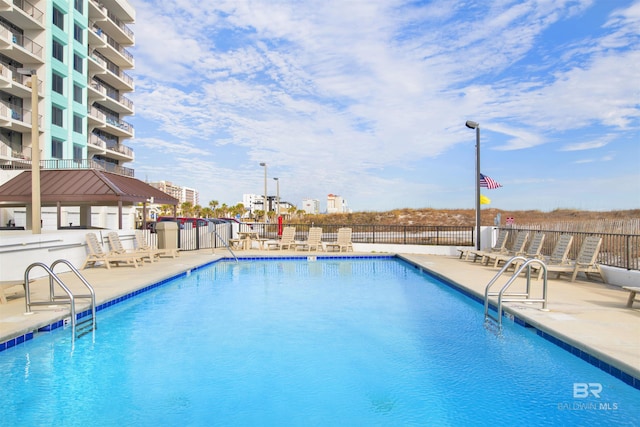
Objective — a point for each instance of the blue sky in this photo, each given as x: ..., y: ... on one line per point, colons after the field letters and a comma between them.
x: 369, y: 99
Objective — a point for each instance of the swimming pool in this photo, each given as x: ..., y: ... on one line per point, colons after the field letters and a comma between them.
x: 297, y: 342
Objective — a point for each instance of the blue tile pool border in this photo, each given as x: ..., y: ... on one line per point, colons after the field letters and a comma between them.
x: 591, y: 359
x: 587, y: 357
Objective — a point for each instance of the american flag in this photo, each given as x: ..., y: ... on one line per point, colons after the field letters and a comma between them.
x: 489, y: 183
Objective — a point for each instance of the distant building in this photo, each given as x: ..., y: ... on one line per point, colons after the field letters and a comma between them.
x: 183, y: 194
x: 336, y: 204
x: 311, y: 206
x: 255, y: 202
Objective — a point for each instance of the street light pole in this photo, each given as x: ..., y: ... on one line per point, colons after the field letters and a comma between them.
x: 265, y: 191
x: 277, y: 180
x: 36, y: 227
x: 476, y: 126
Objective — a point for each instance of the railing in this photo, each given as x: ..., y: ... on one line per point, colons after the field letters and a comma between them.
x: 384, y: 234
x: 72, y: 164
x: 617, y: 250
x: 7, y: 151
x: 120, y: 24
x: 30, y: 10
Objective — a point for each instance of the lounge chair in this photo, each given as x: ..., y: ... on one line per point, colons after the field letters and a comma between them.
x: 343, y: 241
x: 115, y: 244
x: 558, y: 255
x: 314, y: 240
x: 142, y: 245
x: 287, y: 240
x: 97, y: 254
x: 518, y: 249
x: 586, y: 261
x: 498, y: 248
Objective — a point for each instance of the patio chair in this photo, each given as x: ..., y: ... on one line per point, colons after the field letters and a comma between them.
x: 314, y: 240
x: 115, y: 244
x: 586, y: 261
x: 558, y: 255
x: 97, y: 254
x: 287, y: 240
x: 142, y: 245
x: 518, y: 249
x: 343, y: 241
x: 498, y: 248
x: 533, y: 251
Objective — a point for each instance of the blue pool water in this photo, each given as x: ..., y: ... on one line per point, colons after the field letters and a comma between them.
x: 326, y: 342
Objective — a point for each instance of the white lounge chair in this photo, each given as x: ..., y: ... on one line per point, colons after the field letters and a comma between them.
x: 498, y: 248
x: 98, y: 255
x: 142, y: 245
x: 117, y: 248
x: 517, y: 249
x: 287, y: 240
x: 343, y: 241
x: 533, y: 251
x: 586, y: 261
x: 314, y: 240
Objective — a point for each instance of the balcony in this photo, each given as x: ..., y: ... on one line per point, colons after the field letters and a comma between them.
x: 23, y: 14
x: 7, y: 154
x: 110, y: 48
x: 15, y: 118
x: 110, y: 98
x: 20, y: 47
x: 109, y: 72
x: 107, y: 147
x: 110, y: 23
x: 119, y: 127
x: 15, y: 83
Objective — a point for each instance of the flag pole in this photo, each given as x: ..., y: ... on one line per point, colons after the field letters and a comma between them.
x: 476, y: 126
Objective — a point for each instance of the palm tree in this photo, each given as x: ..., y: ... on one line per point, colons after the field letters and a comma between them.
x: 213, y: 204
x: 186, y: 208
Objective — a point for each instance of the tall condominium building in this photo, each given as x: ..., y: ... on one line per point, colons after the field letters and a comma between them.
x: 76, y: 53
x: 183, y: 194
x: 336, y: 204
x: 311, y: 206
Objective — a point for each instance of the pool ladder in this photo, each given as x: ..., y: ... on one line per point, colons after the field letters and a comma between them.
x: 502, y: 294
x: 85, y: 326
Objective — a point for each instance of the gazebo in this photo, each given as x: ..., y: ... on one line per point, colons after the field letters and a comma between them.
x: 84, y: 188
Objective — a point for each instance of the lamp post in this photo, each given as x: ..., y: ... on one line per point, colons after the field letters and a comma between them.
x: 265, y: 191
x: 476, y: 126
x: 35, y: 152
x: 277, y: 180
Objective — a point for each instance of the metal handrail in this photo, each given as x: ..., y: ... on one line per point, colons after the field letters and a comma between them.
x: 91, y: 295
x: 226, y: 243
x: 54, y: 299
x: 520, y: 297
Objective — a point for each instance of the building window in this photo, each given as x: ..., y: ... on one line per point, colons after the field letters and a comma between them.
x: 58, y: 51
x: 57, y: 83
x: 77, y: 93
x: 77, y: 62
x: 56, y: 148
x: 77, y: 153
x: 78, y: 5
x: 56, y: 115
x: 58, y: 18
x: 77, y: 123
x: 77, y: 33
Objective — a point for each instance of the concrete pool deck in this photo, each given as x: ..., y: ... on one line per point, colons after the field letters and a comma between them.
x: 589, y: 316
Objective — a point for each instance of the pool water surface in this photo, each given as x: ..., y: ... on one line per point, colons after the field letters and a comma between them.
x: 297, y: 342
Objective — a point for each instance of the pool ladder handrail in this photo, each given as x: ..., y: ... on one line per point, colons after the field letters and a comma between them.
x: 226, y: 243
x: 69, y: 298
x: 516, y: 296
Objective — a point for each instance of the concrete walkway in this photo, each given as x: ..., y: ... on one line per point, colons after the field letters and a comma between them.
x: 589, y: 316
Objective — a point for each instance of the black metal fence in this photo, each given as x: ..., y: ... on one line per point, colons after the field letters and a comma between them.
x: 617, y: 250
x: 387, y: 234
